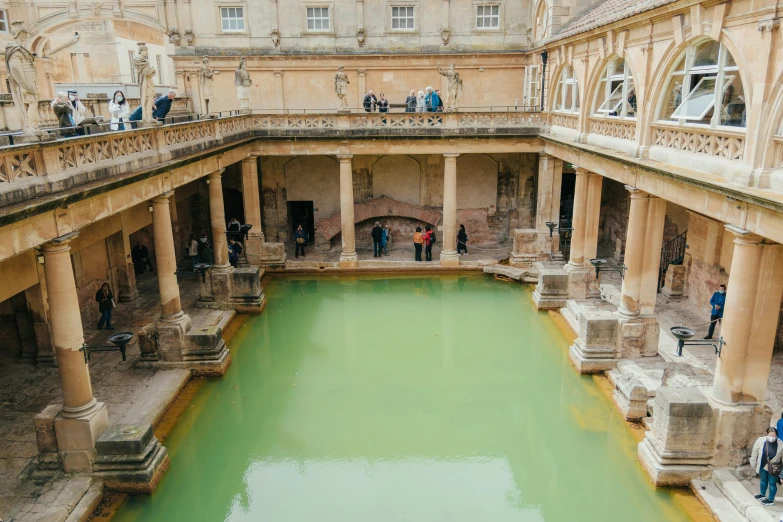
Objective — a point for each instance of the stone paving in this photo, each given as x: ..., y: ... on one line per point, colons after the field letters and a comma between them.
x: 130, y: 394
x: 402, y: 252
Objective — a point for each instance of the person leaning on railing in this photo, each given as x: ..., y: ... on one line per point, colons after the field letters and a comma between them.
x: 64, y: 112
x: 160, y: 108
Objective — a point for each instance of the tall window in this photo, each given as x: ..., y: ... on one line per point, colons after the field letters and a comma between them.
x: 532, y: 87
x: 616, y: 95
x: 317, y: 18
x: 3, y: 21
x: 542, y: 21
x: 402, y: 17
x: 567, y: 98
x: 233, y: 19
x: 487, y: 16
x: 705, y: 88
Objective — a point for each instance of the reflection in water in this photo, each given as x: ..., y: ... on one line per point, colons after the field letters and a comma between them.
x: 401, y: 399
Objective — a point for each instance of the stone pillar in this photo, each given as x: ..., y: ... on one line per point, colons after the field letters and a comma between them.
x: 348, y: 257
x: 362, y: 85
x: 448, y: 256
x: 250, y: 198
x: 584, y: 238
x: 217, y: 218
x: 550, y: 180
x: 749, y: 321
x: 630, y: 305
x: 165, y: 258
x: 82, y: 419
x: 39, y: 311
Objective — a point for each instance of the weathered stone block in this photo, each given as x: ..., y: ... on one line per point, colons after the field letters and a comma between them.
x: 45, y: 435
x: 552, y: 289
x: 124, y: 439
x: 130, y: 459
x: 638, y: 337
x: 737, y: 429
x: 679, y: 446
x: 594, y: 350
x: 674, y: 282
x: 582, y: 283
x: 272, y: 254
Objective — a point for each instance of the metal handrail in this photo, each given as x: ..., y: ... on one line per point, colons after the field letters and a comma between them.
x: 672, y: 253
x: 394, y: 108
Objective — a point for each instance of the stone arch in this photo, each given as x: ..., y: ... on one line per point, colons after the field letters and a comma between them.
x: 474, y: 190
x: 316, y: 179
x: 591, y: 89
x: 540, y: 20
x: 66, y: 17
x: 771, y: 122
x: 397, y: 177
x: 555, y: 75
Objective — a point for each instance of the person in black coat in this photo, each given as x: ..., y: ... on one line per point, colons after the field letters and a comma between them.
x: 370, y: 101
x: 105, y: 300
x: 377, y: 239
x: 141, y: 258
x: 410, y: 102
x: 462, y: 240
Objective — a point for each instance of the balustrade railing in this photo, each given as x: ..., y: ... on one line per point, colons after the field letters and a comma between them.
x: 614, y: 128
x: 713, y: 142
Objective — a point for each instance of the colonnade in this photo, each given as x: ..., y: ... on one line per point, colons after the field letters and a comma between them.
x: 448, y: 256
x: 755, y: 287
x: 83, y: 418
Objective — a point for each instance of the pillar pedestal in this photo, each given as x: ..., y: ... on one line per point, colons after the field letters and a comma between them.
x: 77, y: 435
x: 130, y: 459
x: 348, y: 257
x: 552, y: 289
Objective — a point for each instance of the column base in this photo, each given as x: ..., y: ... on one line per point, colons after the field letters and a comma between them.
x: 130, y: 459
x: 349, y: 260
x: 76, y: 438
x: 551, y: 292
x: 531, y: 245
x: 235, y: 289
x: 637, y: 337
x: 737, y: 428
x: 449, y: 258
x: 594, y: 350
x: 272, y: 254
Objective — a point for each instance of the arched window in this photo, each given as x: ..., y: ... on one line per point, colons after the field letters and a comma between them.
x: 567, y: 97
x: 615, y: 95
x: 705, y: 77
x: 542, y: 21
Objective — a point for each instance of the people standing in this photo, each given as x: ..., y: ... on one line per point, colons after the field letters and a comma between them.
x: 718, y: 301
x: 370, y: 101
x: 387, y: 238
x: 141, y: 258
x: 429, y: 240
x: 410, y: 102
x: 418, y: 241
x: 377, y: 239
x: 63, y: 110
x: 105, y: 300
x: 433, y: 100
x: 767, y: 459
x: 193, y: 251
x: 779, y: 425
x: 120, y: 112
x: 440, y: 101
x: 421, y: 102
x: 205, y: 251
x: 300, y: 238
x: 79, y: 110
x: 234, y: 249
x: 462, y: 240
x: 383, y: 104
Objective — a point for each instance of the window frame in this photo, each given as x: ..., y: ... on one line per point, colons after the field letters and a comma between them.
x: 484, y: 4
x: 608, y: 76
x: 720, y: 72
x: 244, y: 29
x: 403, y: 5
x: 560, y: 96
x: 329, y: 17
x: 532, y: 85
x: 4, y: 20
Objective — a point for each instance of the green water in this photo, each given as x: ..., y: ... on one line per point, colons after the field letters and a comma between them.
x: 400, y: 400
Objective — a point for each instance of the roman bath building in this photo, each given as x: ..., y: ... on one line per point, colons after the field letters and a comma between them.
x: 613, y: 163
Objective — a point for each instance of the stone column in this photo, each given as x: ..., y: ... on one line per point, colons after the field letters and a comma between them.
x: 217, y: 218
x: 549, y: 183
x: 592, y: 218
x: 750, y: 320
x: 577, y: 256
x: 362, y: 85
x: 448, y: 256
x: 630, y: 300
x: 165, y: 258
x: 82, y: 418
x: 251, y: 200
x: 348, y: 257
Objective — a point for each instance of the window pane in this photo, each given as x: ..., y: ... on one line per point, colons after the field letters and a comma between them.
x: 410, y: 12
x: 233, y: 24
x: 706, y: 54
x: 326, y: 24
x: 395, y: 23
x: 225, y: 24
x: 309, y: 12
x: 732, y: 111
x: 310, y: 23
x: 630, y: 101
x: 495, y: 10
x: 480, y: 22
x: 699, y: 101
x: 239, y: 12
x: 241, y: 24
x: 611, y: 103
x: 318, y: 24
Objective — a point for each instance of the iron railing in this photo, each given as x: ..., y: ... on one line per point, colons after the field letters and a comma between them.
x: 672, y: 253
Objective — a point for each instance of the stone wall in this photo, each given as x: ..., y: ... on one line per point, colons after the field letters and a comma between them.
x: 613, y: 224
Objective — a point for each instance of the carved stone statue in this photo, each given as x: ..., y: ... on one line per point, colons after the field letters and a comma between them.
x: 360, y: 36
x: 341, y: 88
x: 205, y: 87
x: 145, y: 74
x: 445, y: 34
x: 241, y: 76
x: 173, y: 35
x: 275, y: 37
x: 454, y: 88
x: 189, y: 37
x: 242, y: 81
x: 23, y: 79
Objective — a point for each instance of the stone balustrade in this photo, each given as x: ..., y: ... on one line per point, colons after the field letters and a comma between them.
x: 713, y: 142
x: 569, y: 121
x: 614, y: 128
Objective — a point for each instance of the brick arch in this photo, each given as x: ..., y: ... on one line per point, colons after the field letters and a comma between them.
x: 380, y: 208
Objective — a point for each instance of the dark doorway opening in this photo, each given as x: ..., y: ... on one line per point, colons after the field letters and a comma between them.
x: 233, y: 205
x: 301, y: 213
x: 566, y: 209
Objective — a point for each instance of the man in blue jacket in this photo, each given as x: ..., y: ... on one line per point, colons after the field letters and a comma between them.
x: 160, y: 108
x: 433, y: 100
x: 717, y: 301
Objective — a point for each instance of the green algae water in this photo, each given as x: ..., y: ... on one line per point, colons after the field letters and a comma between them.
x: 439, y: 398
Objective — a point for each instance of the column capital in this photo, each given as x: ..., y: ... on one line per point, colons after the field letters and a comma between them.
x: 744, y: 237
x: 344, y: 158
x: 162, y: 198
x: 252, y: 157
x: 361, y: 72
x: 216, y: 174
x: 61, y: 243
x: 581, y: 171
x: 451, y: 156
x: 636, y: 193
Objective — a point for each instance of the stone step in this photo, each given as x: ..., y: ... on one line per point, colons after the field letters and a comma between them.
x: 88, y: 503
x: 712, y: 497
x: 740, y: 497
x: 570, y: 319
